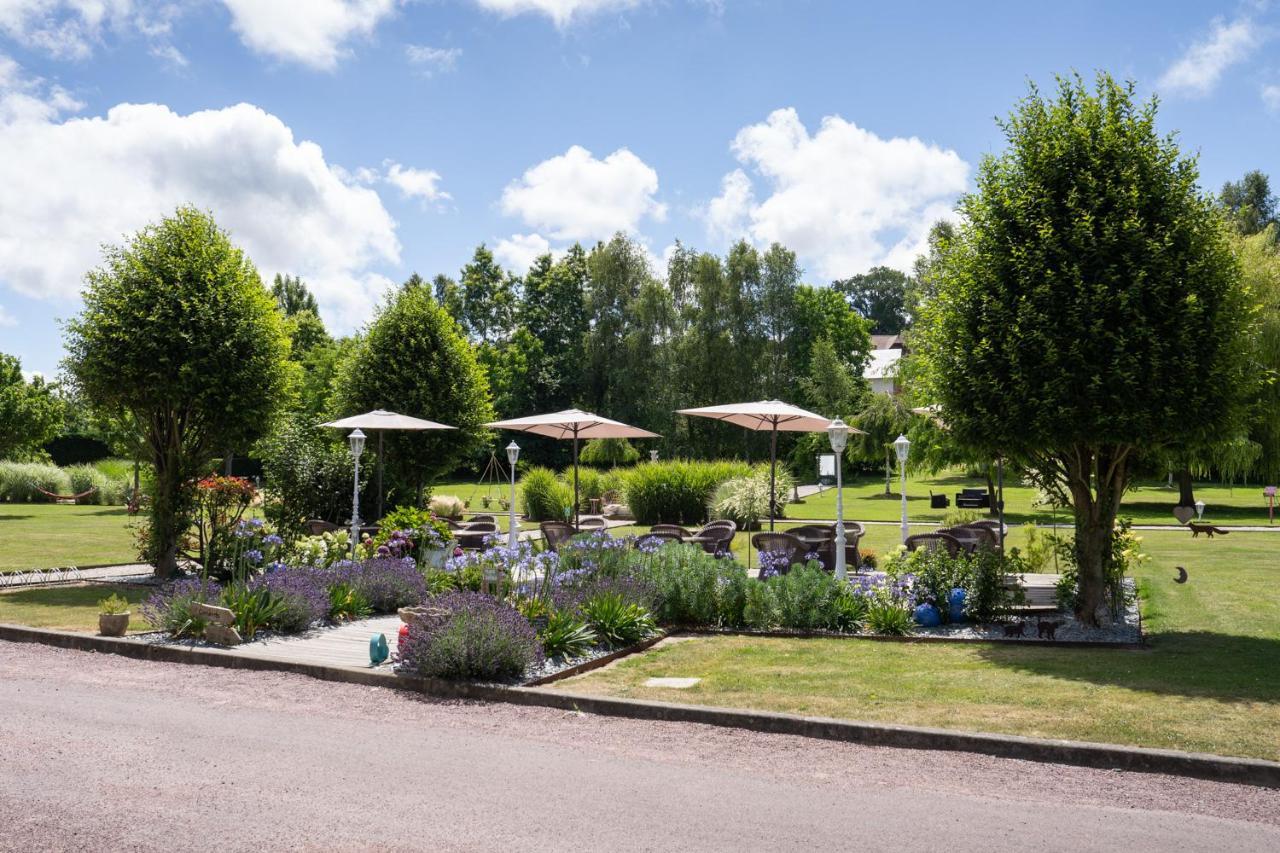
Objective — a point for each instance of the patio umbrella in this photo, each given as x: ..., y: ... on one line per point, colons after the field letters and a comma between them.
x: 574, y: 424
x: 771, y: 415
x: 379, y: 421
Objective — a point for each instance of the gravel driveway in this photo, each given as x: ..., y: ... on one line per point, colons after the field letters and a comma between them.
x: 104, y: 753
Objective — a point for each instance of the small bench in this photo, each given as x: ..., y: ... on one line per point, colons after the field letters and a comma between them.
x: 973, y: 499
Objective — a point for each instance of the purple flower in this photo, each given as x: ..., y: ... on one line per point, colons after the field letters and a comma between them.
x: 253, y: 555
x: 473, y: 636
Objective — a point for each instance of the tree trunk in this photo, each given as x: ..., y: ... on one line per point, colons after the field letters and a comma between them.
x: 166, y: 515
x: 1096, y: 479
x: 991, y: 490
x: 1186, y: 492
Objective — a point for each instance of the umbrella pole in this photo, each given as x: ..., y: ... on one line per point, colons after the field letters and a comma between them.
x: 773, y: 471
x: 381, y: 493
x: 575, y: 477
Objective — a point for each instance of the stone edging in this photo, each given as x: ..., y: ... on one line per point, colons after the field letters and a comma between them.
x: 1248, y: 771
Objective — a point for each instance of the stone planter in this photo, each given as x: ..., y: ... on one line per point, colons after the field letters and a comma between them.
x: 113, y: 624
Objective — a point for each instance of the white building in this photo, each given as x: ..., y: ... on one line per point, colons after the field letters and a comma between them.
x: 882, y: 368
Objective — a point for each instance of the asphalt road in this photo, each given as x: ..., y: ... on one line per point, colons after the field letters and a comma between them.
x: 103, y: 753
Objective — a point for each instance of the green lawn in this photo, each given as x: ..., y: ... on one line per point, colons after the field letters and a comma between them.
x: 1148, y: 502
x: 68, y: 608
x: 1208, y: 682
x: 48, y: 535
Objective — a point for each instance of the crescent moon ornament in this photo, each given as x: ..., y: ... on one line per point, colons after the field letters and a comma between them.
x: 1182, y: 575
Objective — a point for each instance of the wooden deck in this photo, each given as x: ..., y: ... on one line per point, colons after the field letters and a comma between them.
x: 341, y: 645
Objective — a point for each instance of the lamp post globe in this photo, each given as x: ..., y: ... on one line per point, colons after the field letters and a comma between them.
x: 653, y: 455
x: 1199, y: 510
x: 356, y: 440
x: 902, y: 446
x: 513, y: 534
x: 838, y: 433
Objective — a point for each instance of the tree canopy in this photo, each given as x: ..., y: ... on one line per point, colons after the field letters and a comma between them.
x: 30, y: 414
x: 1249, y: 203
x: 879, y: 296
x: 1089, y: 305
x: 179, y: 332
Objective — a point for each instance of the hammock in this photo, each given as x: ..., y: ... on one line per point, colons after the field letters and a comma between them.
x: 84, y: 494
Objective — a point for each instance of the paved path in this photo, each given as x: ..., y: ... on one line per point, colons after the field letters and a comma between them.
x: 71, y: 574
x: 104, y: 753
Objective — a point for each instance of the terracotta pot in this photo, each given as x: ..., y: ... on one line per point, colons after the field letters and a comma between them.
x: 113, y: 624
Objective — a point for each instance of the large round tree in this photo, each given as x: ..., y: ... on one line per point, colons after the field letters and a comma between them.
x: 1089, y: 306
x: 179, y: 331
x: 415, y: 360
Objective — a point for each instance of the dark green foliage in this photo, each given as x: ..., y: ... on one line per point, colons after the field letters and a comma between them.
x: 1250, y: 205
x: 414, y: 360
x: 179, y: 332
x: 880, y: 297
x: 1088, y: 305
x: 347, y: 603
x: 29, y: 412
x: 307, y: 474
x: 255, y: 607
x: 888, y: 617
x: 676, y: 492
x: 615, y: 621
x: 565, y: 635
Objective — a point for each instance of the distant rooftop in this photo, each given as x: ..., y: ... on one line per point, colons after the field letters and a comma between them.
x: 887, y: 342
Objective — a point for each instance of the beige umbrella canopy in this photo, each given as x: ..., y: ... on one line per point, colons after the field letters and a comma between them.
x: 380, y: 420
x: 573, y: 424
x: 770, y: 415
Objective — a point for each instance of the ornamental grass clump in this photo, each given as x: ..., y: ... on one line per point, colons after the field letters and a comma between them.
x: 676, y: 492
x: 545, y: 496
x: 470, y: 636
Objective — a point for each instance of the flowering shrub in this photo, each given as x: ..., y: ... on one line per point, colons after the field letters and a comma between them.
x: 303, y: 598
x: 220, y: 505
x: 388, y: 584
x: 169, y: 608
x: 596, y: 553
x: 320, y: 552
x: 474, y: 636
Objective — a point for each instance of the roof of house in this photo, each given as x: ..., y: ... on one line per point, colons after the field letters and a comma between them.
x: 887, y: 342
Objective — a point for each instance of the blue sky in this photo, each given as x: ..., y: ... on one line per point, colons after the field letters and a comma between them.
x: 356, y: 141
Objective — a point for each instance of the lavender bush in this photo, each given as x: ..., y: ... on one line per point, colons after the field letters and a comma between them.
x: 169, y: 608
x: 388, y: 583
x: 473, y: 637
x: 302, y: 596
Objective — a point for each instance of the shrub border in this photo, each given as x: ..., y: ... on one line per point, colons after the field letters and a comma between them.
x: 1248, y: 771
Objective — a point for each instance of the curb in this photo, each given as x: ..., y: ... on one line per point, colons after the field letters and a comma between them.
x: 919, y: 639
x: 1246, y: 771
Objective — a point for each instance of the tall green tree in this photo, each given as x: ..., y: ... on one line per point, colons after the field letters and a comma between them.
x: 1259, y: 256
x: 880, y: 297
x: 30, y: 414
x: 488, y: 297
x: 179, y: 332
x: 1249, y: 203
x: 1089, y: 306
x: 415, y: 360
x: 293, y: 296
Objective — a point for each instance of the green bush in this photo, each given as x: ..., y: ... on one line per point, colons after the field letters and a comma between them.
x: 18, y: 481
x: 544, y: 496
x: 888, y: 617
x: 565, y: 635
x: 693, y: 588
x: 307, y: 473
x: 616, y: 621
x: 677, y: 491
x: 608, y: 453
x: 745, y: 500
x: 592, y: 485
x: 760, y: 611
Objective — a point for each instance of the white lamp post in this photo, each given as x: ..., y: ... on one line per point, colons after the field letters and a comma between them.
x: 653, y: 456
x: 903, y: 447
x: 357, y: 447
x: 1199, y: 510
x: 838, y: 432
x: 513, y: 453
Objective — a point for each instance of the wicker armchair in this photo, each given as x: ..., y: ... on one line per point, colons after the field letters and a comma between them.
x: 317, y: 526
x: 674, y: 529
x: 480, y: 527
x: 988, y: 535
x: 935, y: 541
x: 657, y: 538
x: 782, y: 549
x: 585, y: 524
x: 715, y: 537
x: 556, y: 533
x: 476, y: 518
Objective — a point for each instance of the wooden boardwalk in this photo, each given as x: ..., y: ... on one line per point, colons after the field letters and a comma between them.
x: 341, y: 645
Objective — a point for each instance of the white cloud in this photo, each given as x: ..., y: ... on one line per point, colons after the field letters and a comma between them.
x: 844, y: 199
x: 7, y: 319
x: 574, y: 196
x: 518, y: 252
x: 310, y: 32
x: 71, y: 29
x: 415, y: 183
x: 1271, y: 96
x: 433, y: 60
x: 72, y: 184
x: 561, y: 12
x: 1200, y: 68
